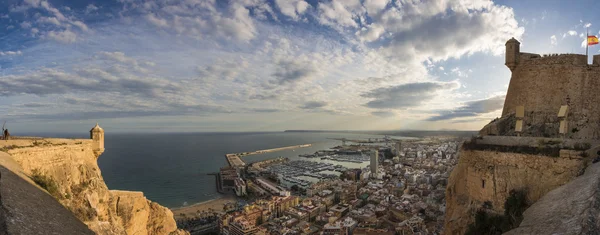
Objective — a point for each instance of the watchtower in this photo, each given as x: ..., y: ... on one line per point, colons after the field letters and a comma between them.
x: 513, y: 50
x: 97, y: 136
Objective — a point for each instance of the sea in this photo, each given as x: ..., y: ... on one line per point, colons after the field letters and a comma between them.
x: 173, y: 168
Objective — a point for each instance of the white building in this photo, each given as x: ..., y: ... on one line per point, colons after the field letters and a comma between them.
x: 374, y: 162
x: 240, y: 187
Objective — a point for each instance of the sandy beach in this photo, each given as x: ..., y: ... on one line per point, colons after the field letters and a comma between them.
x: 192, y: 210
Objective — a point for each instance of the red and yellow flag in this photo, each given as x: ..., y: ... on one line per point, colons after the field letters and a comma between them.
x: 592, y: 40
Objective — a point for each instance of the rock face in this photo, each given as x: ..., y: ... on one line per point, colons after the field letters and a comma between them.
x: 488, y: 176
x: 81, y: 189
x: 573, y: 208
x: 25, y: 209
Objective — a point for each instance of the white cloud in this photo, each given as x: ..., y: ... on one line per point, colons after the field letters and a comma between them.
x: 91, y: 8
x: 553, y: 40
x: 121, y: 59
x: 25, y: 24
x: 375, y: 6
x: 371, y: 32
x: 407, y: 32
x: 337, y: 13
x: 301, y: 7
x: 80, y: 24
x: 8, y: 53
x: 460, y: 73
x: 407, y: 95
x: 65, y: 36
x: 202, y: 19
x: 222, y: 70
x: 365, y: 58
x: 472, y: 109
x: 572, y: 32
x: 157, y: 21
x: 292, y: 8
x: 49, y: 20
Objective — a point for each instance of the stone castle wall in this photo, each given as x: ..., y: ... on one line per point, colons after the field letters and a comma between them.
x: 487, y: 176
x: 487, y: 173
x: 543, y: 84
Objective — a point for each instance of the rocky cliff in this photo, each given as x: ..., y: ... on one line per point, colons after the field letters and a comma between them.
x: 71, y: 174
x: 25, y: 209
x: 573, y: 208
x: 487, y: 176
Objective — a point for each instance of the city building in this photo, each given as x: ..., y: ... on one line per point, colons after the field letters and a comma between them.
x: 379, y: 199
x: 374, y: 163
x: 341, y: 227
x: 242, y: 227
x: 283, y: 203
x: 240, y: 187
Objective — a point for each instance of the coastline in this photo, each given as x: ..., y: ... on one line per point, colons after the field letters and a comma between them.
x: 268, y: 150
x: 192, y: 210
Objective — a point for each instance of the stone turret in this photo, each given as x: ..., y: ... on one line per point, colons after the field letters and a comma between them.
x: 513, y: 51
x: 97, y: 135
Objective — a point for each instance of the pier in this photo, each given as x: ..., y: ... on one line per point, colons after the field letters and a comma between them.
x: 234, y: 159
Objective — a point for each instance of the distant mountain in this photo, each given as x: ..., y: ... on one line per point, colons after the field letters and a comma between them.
x: 407, y: 133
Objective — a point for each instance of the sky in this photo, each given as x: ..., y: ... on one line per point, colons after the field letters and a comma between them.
x: 270, y: 65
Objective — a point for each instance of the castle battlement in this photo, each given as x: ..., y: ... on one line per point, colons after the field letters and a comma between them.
x: 553, y: 59
x: 541, y: 85
x: 515, y: 58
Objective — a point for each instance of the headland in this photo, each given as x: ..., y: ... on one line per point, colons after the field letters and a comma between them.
x: 67, y: 170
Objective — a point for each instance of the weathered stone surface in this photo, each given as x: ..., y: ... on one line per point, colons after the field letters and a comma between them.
x: 158, y: 223
x: 482, y: 176
x: 26, y: 209
x: 573, y: 208
x: 543, y: 84
x: 72, y: 164
x: 133, y: 209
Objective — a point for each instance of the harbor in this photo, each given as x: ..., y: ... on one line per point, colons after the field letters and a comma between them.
x: 303, y: 173
x: 234, y: 159
x: 341, y: 157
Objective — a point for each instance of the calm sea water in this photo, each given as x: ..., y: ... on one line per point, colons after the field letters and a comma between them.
x: 171, y: 169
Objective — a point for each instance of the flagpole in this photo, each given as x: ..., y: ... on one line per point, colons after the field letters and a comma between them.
x: 586, y: 43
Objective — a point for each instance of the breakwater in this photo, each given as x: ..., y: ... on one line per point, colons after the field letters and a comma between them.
x: 235, y: 161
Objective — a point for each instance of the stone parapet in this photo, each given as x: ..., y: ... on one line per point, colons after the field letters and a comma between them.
x: 489, y: 176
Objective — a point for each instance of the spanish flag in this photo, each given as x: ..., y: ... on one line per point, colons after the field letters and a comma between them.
x: 592, y: 40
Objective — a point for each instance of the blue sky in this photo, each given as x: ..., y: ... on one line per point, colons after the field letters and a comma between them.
x: 269, y: 65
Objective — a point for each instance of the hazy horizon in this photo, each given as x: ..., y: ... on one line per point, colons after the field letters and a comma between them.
x: 85, y: 133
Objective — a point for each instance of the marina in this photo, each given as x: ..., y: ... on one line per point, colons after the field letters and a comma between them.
x: 303, y: 173
x: 347, y: 158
